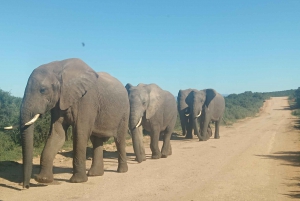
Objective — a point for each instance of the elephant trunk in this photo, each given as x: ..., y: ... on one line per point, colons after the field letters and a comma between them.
x: 136, y: 142
x: 197, y: 129
x: 183, y: 122
x: 27, y: 152
x: 27, y: 147
x: 137, y: 135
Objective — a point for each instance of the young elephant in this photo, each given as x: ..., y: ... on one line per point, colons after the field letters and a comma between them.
x: 95, y: 105
x: 206, y: 105
x: 155, y: 110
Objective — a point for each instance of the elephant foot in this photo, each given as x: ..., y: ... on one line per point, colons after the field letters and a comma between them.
x: 217, y: 137
x: 156, y: 156
x: 188, y: 137
x: 78, y: 178
x: 164, y: 156
x: 122, y: 167
x: 141, y: 160
x: 202, y: 139
x: 95, y: 172
x: 43, y: 178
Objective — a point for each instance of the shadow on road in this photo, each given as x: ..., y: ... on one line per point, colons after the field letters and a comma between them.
x: 12, y: 171
x: 294, y: 194
x: 177, y: 136
x: 297, y: 124
x: 291, y: 158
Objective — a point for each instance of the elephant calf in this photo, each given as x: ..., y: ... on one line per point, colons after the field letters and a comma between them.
x: 154, y: 109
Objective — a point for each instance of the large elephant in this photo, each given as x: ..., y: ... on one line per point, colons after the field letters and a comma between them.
x: 155, y: 110
x: 186, y: 121
x: 205, y: 106
x: 95, y: 105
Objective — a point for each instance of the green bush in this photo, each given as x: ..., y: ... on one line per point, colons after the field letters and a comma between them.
x: 297, y: 96
x: 239, y: 106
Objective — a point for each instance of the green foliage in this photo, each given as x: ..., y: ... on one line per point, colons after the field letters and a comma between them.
x: 177, y: 125
x: 41, y: 130
x: 9, y: 115
x: 296, y: 112
x: 239, y: 106
x: 297, y: 96
x: 290, y: 93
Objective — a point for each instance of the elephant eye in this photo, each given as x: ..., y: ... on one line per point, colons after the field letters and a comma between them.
x: 144, y: 103
x: 42, y: 90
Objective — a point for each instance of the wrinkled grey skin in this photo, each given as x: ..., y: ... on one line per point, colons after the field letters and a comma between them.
x: 95, y: 105
x: 157, y: 108
x: 211, y: 105
x: 186, y: 122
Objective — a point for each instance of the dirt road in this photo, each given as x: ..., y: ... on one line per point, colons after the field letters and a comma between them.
x: 255, y: 159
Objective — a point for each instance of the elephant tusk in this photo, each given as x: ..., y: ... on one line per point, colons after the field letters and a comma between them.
x: 198, y: 114
x: 8, y: 128
x: 139, y: 123
x: 32, y: 120
x: 187, y: 112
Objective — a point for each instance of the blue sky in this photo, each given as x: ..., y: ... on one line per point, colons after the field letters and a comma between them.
x: 232, y: 46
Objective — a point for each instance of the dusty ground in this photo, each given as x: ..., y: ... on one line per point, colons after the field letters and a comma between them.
x: 255, y: 159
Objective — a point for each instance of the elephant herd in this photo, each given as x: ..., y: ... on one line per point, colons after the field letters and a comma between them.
x: 98, y: 107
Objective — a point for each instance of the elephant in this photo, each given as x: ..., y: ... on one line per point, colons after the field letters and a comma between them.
x: 154, y: 110
x: 183, y: 110
x: 96, y: 105
x: 186, y: 120
x: 205, y: 106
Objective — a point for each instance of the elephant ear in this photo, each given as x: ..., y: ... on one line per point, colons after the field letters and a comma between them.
x: 155, y: 100
x: 128, y: 86
x: 76, y: 79
x: 210, y: 94
x: 190, y: 98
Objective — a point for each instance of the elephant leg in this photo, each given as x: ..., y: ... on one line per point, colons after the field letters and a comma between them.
x: 217, y: 125
x: 183, y: 122
x: 80, y: 140
x: 170, y: 150
x: 166, y: 148
x: 209, y: 131
x: 189, y: 128
x: 121, y: 145
x: 97, y: 168
x: 154, y: 143
x: 53, y: 144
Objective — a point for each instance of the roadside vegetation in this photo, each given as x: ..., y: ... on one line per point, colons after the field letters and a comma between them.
x: 295, y: 105
x: 238, y: 106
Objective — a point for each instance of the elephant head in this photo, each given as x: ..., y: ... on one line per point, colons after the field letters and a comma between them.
x: 56, y: 84
x: 144, y: 101
x: 198, y: 102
